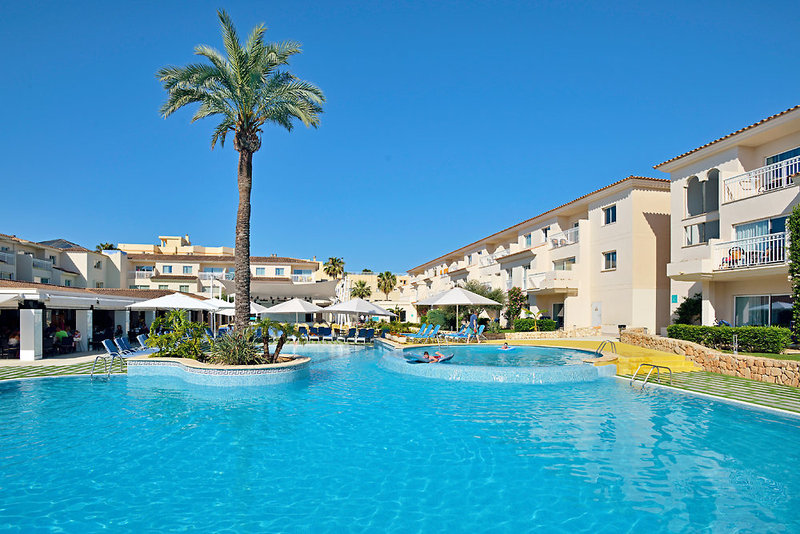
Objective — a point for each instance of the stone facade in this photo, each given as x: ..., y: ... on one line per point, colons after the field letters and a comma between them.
x: 784, y: 372
x: 557, y: 334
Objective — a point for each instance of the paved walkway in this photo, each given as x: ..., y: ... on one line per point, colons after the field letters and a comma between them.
x: 735, y: 388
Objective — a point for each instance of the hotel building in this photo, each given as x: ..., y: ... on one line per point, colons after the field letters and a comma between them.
x: 729, y: 202
x: 598, y: 261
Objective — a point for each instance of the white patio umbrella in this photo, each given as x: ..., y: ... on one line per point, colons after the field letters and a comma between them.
x: 458, y: 296
x: 219, y: 303
x: 358, y: 307
x: 255, y: 309
x: 295, y: 306
x: 175, y: 301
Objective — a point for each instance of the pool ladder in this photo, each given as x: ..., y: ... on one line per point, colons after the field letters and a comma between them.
x: 652, y: 367
x: 108, y: 366
x: 612, y: 347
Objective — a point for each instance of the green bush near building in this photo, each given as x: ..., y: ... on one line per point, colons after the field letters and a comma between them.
x: 530, y: 325
x: 771, y: 339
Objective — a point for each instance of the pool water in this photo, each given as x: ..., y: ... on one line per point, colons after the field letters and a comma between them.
x: 518, y: 356
x: 359, y: 448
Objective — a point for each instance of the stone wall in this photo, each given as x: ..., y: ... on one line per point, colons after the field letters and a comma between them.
x: 784, y: 372
x: 557, y: 334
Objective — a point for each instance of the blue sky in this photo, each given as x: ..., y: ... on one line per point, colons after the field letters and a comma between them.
x: 446, y: 121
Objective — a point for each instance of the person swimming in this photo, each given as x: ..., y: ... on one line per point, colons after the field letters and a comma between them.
x: 435, y: 358
x: 505, y: 347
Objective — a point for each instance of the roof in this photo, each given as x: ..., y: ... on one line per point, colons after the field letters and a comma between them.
x: 63, y: 270
x: 661, y: 181
x: 25, y: 241
x: 138, y: 293
x: 269, y: 279
x: 15, y: 284
x: 222, y: 258
x: 759, y: 123
x: 60, y: 243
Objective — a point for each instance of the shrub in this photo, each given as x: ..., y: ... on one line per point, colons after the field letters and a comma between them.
x: 174, y: 335
x: 437, y: 317
x: 236, y: 348
x: 770, y: 339
x: 517, y: 301
x: 423, y: 319
x: 690, y: 310
x: 529, y: 325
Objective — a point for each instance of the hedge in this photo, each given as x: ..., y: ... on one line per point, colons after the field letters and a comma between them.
x: 529, y: 325
x: 771, y: 339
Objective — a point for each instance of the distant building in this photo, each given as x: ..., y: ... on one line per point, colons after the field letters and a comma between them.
x: 399, y: 297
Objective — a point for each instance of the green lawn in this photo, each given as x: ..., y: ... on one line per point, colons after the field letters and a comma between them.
x: 795, y: 357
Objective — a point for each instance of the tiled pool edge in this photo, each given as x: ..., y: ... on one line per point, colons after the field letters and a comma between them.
x: 728, y: 400
x: 218, y: 376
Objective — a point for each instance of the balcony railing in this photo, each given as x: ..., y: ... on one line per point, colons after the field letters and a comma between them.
x: 751, y: 252
x: 567, y: 237
x: 215, y: 276
x: 142, y: 275
x: 550, y: 279
x: 7, y: 257
x: 491, y: 259
x: 761, y: 180
x: 302, y: 278
x: 42, y: 264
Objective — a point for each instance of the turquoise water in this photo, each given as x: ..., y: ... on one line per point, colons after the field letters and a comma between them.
x: 519, y: 356
x: 357, y: 448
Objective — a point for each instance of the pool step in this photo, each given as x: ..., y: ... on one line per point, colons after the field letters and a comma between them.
x: 626, y: 365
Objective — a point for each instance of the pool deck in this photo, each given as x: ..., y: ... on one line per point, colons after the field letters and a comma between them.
x: 773, y: 396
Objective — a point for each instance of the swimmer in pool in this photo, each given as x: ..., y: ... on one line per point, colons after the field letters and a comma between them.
x: 505, y: 347
x: 435, y: 358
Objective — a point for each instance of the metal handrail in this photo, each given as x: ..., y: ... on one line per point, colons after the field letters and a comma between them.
x: 611, y: 344
x: 108, y: 367
x: 652, y: 366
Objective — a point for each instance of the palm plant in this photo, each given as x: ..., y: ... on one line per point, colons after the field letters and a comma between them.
x: 334, y: 267
x: 247, y: 89
x: 282, y: 332
x: 105, y: 246
x: 360, y: 290
x: 387, y: 282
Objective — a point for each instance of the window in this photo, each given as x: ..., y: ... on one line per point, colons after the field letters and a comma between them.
x: 52, y: 260
x: 144, y: 268
x: 469, y: 259
x: 67, y: 283
x: 564, y: 265
x: 528, y: 240
x: 4, y: 249
x: 280, y: 271
x: 45, y: 280
x: 759, y: 228
x: 98, y: 285
x: 183, y: 288
x: 301, y: 271
x: 783, y: 156
x: 163, y: 286
x: 609, y: 260
x: 167, y: 269
x: 545, y: 231
x: 763, y: 310
x: 702, y: 197
x: 261, y: 271
x: 98, y: 264
x: 700, y: 233
x: 610, y: 214
x: 187, y: 269
x: 212, y: 269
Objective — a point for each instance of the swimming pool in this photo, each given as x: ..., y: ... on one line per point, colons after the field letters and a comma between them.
x: 359, y: 448
x: 517, y: 356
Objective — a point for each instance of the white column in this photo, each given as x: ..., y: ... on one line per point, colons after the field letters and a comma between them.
x: 83, y: 323
x: 30, y: 335
x: 149, y: 317
x: 709, y: 313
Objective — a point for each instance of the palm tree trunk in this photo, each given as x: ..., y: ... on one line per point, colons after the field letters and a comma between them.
x: 242, y: 251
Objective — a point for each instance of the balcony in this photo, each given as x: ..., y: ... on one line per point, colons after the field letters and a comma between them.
x: 551, y: 282
x: 215, y: 276
x: 8, y: 257
x: 45, y: 265
x: 302, y: 278
x: 751, y: 252
x: 141, y: 275
x: 562, y: 239
x: 760, y: 181
x: 491, y: 259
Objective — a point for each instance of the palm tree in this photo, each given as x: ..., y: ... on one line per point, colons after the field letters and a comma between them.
x: 334, y: 267
x: 360, y: 290
x: 387, y: 282
x: 247, y: 89
x: 105, y: 246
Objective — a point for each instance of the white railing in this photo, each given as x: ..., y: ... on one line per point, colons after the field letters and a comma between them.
x: 8, y: 257
x: 567, y: 237
x: 751, y: 252
x: 302, y: 278
x: 142, y: 275
x: 491, y: 259
x: 761, y: 180
x: 549, y: 279
x: 535, y: 280
x: 42, y: 264
x: 211, y: 276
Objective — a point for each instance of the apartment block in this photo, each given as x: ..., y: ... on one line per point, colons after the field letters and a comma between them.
x: 597, y: 261
x: 730, y: 199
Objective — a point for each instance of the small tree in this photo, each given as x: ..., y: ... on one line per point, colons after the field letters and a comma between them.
x: 387, y: 282
x: 334, y: 267
x: 105, y: 246
x: 690, y: 310
x: 793, y: 225
x: 282, y: 331
x: 360, y: 290
x: 516, y: 303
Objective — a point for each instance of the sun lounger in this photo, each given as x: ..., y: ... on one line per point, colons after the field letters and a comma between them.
x: 326, y: 334
x: 423, y: 334
x: 365, y: 336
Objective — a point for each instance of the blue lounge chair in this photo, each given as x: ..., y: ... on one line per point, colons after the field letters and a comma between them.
x: 365, y: 336
x: 480, y: 335
x: 121, y: 347
x: 108, y: 358
x: 461, y: 334
x: 423, y: 334
x: 303, y: 332
x: 326, y: 334
x: 362, y: 334
x: 349, y: 336
x: 313, y: 334
x: 421, y: 328
x: 433, y: 333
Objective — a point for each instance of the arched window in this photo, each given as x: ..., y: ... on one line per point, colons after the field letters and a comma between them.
x: 712, y: 191
x: 694, y: 197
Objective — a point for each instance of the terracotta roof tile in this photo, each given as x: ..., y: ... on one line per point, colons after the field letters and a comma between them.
x: 759, y: 123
